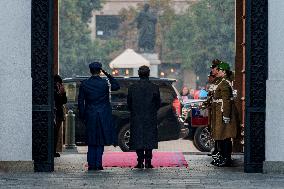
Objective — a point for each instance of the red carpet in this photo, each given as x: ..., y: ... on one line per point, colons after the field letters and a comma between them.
x: 129, y: 159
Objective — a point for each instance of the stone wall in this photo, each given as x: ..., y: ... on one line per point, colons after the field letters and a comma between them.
x: 15, y: 81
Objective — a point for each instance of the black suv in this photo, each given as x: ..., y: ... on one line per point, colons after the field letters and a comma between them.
x: 170, y: 127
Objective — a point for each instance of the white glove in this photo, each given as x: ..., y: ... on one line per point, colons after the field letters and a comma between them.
x: 226, y: 119
x: 235, y: 93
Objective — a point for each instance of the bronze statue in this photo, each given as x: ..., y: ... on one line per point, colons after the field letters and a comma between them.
x: 146, y: 24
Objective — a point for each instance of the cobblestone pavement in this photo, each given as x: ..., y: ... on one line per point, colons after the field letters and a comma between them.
x: 181, y: 145
x: 69, y: 173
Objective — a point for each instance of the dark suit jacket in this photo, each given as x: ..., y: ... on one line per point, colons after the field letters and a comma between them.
x: 143, y: 102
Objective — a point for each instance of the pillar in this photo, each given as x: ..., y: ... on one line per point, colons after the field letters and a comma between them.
x: 274, y: 125
x: 15, y: 86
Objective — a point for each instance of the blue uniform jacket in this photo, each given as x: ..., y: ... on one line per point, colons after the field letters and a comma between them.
x: 95, y: 110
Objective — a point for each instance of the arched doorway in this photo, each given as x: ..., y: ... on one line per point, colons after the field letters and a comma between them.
x: 255, y: 51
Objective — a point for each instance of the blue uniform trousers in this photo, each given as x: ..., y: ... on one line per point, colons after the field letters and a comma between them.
x: 94, y: 155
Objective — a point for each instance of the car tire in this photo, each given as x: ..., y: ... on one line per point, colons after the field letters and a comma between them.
x: 124, y: 137
x: 203, y: 140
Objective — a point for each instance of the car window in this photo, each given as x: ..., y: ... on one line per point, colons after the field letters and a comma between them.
x: 167, y: 94
x: 167, y: 91
x: 121, y: 94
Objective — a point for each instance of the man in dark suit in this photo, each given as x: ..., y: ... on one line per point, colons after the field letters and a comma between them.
x: 95, y: 111
x: 143, y: 102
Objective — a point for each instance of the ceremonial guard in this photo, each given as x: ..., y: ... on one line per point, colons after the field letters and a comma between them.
x: 95, y: 111
x: 224, y: 119
x: 213, y: 80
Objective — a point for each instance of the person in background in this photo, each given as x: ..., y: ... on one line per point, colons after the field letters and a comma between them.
x: 95, y: 111
x: 203, y: 93
x: 191, y: 93
x: 185, y: 94
x: 143, y: 101
x: 60, y: 99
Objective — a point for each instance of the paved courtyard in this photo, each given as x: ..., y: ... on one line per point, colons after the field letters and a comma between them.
x: 70, y: 173
x: 181, y: 145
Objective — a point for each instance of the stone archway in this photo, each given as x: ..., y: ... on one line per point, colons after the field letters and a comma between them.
x: 256, y: 61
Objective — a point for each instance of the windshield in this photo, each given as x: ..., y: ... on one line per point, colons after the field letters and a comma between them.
x: 178, y: 95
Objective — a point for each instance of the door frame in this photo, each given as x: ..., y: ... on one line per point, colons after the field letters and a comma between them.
x: 256, y: 64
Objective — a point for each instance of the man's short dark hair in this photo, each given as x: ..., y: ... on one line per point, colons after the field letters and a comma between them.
x: 144, y: 71
x: 95, y: 71
x: 95, y: 67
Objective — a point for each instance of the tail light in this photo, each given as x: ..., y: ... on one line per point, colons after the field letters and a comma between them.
x: 177, y: 106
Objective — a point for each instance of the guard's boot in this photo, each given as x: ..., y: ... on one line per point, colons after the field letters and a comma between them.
x: 216, y: 159
x: 140, y: 164
x: 226, y: 160
x: 148, y: 164
x: 215, y: 149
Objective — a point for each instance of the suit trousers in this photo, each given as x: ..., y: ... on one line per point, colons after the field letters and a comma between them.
x: 94, y: 155
x: 144, y: 154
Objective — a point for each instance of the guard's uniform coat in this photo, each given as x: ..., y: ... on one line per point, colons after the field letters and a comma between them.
x: 143, y: 102
x: 223, y: 105
x: 208, y: 103
x: 95, y: 110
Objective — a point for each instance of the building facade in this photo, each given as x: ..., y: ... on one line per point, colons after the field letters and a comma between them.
x: 111, y: 8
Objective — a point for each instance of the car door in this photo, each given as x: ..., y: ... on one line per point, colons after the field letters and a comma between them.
x: 168, y: 125
x: 120, y: 110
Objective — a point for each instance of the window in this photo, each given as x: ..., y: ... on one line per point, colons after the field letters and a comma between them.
x: 167, y: 94
x: 107, y: 25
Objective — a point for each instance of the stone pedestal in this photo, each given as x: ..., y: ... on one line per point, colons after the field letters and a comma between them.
x: 153, y: 58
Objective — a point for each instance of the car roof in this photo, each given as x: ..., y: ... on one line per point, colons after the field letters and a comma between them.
x: 81, y: 78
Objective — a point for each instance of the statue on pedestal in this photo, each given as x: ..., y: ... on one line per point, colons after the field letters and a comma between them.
x: 146, y: 25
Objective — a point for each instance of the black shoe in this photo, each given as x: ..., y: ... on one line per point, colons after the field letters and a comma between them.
x: 100, y: 168
x: 92, y: 168
x: 148, y: 165
x: 56, y: 154
x: 139, y: 165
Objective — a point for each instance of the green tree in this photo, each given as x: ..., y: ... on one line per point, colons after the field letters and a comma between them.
x: 76, y: 49
x: 203, y: 33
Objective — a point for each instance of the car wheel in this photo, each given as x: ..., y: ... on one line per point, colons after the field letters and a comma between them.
x: 203, y: 140
x: 123, y: 138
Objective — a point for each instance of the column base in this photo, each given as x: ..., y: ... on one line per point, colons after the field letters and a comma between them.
x: 16, y: 166
x: 70, y: 149
x: 273, y: 167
